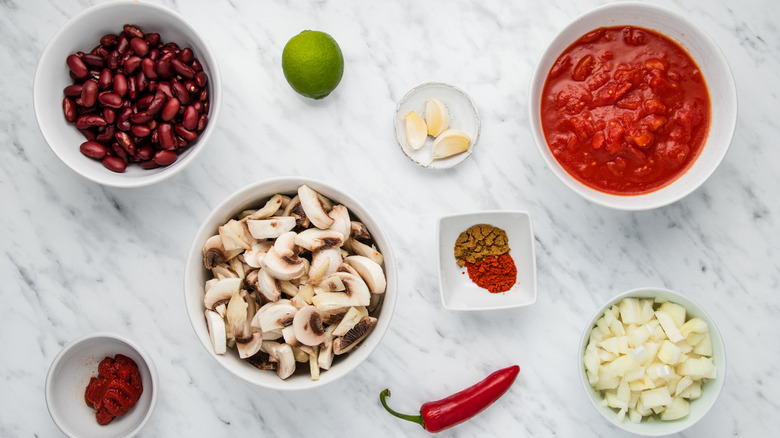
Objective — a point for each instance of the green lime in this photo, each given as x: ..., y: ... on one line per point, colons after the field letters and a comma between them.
x: 312, y: 63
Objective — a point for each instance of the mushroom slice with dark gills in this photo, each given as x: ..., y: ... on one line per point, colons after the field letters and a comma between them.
x: 283, y: 355
x: 323, y: 263
x: 358, y: 231
x: 248, y: 347
x: 359, y: 248
x: 267, y: 285
x: 270, y: 228
x: 315, y: 239
x: 314, y: 206
x: 308, y: 326
x: 214, y: 252
x: 275, y: 316
x: 370, y: 271
x: 221, y: 292
x: 282, y: 261
x: 295, y: 209
x: 353, y: 337
x: 259, y: 249
x: 355, y: 293
x: 341, y: 221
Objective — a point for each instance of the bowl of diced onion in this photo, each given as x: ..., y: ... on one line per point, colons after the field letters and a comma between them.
x: 652, y: 361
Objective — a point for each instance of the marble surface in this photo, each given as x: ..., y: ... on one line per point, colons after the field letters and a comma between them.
x: 78, y: 257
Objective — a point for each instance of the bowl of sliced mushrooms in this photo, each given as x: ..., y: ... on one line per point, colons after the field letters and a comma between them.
x: 290, y: 283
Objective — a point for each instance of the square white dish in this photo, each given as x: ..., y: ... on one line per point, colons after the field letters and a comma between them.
x: 458, y: 292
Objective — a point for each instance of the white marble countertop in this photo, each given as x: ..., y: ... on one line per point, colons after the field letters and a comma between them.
x: 79, y: 257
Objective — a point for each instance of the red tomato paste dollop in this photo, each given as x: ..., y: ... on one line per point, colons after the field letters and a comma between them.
x: 625, y: 110
x: 115, y: 390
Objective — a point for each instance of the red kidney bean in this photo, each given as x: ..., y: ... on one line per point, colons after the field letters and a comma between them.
x: 140, y: 81
x: 191, y: 86
x: 89, y: 121
x: 181, y: 143
x: 145, y: 152
x: 186, y: 56
x: 107, y: 136
x: 77, y: 66
x: 165, y: 87
x: 151, y: 87
x: 182, y: 69
x: 114, y: 164
x: 149, y: 164
x: 165, y: 136
x: 190, y: 118
x: 123, y: 44
x: 93, y: 60
x: 148, y: 67
x: 155, y: 137
x: 198, y: 105
x: 88, y: 134
x: 157, y: 103
x: 180, y: 92
x: 204, y: 95
x: 89, y: 93
x: 131, y: 65
x: 139, y: 47
x: 185, y: 133
x: 132, y: 31
x: 73, y: 90
x: 105, y: 79
x: 110, y: 115
x: 69, y: 109
x: 196, y: 65
x: 132, y: 91
x: 152, y: 39
x: 141, y: 118
x: 143, y: 103
x: 164, y: 158
x: 93, y: 149
x: 125, y: 142
x: 140, y: 130
x: 201, y: 78
x: 111, y: 100
x: 109, y: 40
x: 113, y: 59
x: 154, y: 55
x: 120, y: 84
x: 203, y: 120
x: 123, y: 119
x: 164, y: 69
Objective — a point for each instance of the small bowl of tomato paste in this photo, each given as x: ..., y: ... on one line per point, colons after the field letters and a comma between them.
x: 101, y: 385
x: 633, y: 106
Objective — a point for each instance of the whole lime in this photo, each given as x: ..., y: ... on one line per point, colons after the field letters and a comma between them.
x: 313, y: 64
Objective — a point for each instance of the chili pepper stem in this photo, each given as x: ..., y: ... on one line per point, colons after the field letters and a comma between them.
x: 413, y: 418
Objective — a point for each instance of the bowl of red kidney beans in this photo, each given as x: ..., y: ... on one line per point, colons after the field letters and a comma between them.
x: 127, y: 93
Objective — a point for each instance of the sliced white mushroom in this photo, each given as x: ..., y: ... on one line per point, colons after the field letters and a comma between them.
x: 270, y: 228
x: 304, y: 296
x: 217, y: 332
x: 332, y: 283
x: 314, y: 366
x: 358, y: 230
x: 272, y: 335
x: 214, y: 252
x: 268, y: 286
x: 276, y: 316
x: 249, y: 347
x: 333, y: 316
x: 269, y: 209
x: 301, y: 356
x: 286, y: 361
x: 323, y: 263
x: 355, y: 293
x: 236, y: 317
x: 308, y: 326
x: 364, y: 250
x: 370, y: 271
x: 223, y: 270
x: 295, y: 209
x: 353, y: 337
x: 314, y: 207
x: 235, y: 236
x: 256, y: 254
x: 281, y: 261
x: 288, y: 333
x: 221, y: 292
x: 325, y: 358
x: 288, y: 288
x: 341, y: 221
x: 351, y: 319
x: 315, y: 239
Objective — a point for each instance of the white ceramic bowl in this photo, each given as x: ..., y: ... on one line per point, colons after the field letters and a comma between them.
x: 457, y: 290
x: 463, y: 116
x: 710, y: 389
x: 196, y: 275
x: 69, y: 375
x: 703, y: 50
x: 82, y: 33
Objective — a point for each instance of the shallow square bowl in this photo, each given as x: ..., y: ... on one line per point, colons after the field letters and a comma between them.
x: 458, y: 292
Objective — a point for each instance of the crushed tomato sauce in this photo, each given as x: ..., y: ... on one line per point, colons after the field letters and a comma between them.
x: 115, y: 390
x: 625, y: 110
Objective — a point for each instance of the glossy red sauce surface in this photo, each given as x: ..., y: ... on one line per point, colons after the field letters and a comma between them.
x: 625, y: 110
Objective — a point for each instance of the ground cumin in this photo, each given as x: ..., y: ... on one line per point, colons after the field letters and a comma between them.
x: 480, y: 241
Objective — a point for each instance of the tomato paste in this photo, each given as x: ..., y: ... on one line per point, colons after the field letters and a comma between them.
x: 625, y: 110
x: 115, y: 390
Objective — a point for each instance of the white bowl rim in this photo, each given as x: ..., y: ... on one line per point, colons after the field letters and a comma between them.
x: 194, y: 257
x: 148, y: 362
x: 215, y: 95
x: 683, y: 423
x: 650, y: 200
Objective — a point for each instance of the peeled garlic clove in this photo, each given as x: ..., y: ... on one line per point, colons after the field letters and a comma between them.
x: 416, y: 131
x: 449, y: 143
x: 436, y: 116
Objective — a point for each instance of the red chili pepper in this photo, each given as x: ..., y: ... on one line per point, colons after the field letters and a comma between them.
x: 438, y: 415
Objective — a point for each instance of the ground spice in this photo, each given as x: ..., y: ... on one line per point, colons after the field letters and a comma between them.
x: 480, y: 241
x: 494, y: 273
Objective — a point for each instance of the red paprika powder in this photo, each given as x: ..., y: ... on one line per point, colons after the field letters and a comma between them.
x: 494, y: 273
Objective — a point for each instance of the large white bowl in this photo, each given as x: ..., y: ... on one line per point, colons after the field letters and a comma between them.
x: 710, y: 389
x: 196, y: 275
x: 70, y: 373
x: 82, y: 33
x: 713, y: 65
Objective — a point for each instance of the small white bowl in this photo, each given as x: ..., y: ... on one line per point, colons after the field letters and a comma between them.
x: 196, y: 275
x: 457, y: 290
x: 710, y: 389
x: 463, y: 116
x: 69, y: 375
x: 714, y: 68
x: 82, y: 33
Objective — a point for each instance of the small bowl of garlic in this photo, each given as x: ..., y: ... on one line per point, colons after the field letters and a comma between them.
x: 436, y: 125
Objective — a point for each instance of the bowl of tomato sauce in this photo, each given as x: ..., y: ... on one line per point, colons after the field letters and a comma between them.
x: 633, y: 106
